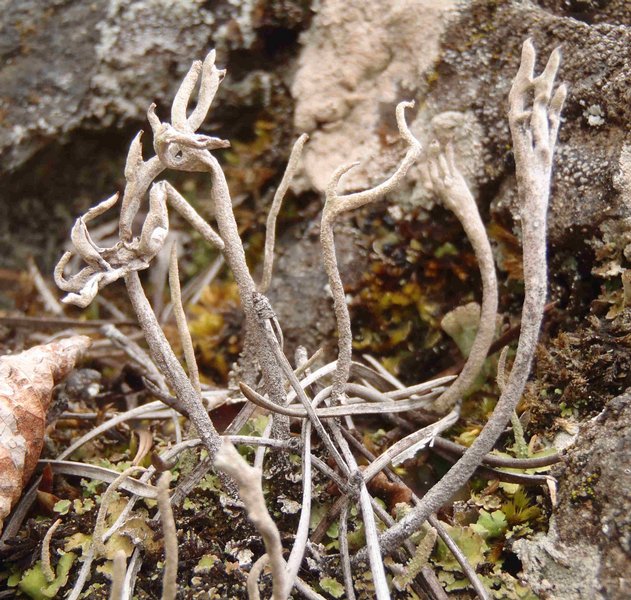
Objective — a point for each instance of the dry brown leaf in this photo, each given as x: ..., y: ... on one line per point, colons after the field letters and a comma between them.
x: 26, y: 385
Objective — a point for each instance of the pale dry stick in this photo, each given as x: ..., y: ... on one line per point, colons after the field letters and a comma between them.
x: 379, y: 368
x: 259, y: 455
x: 116, y: 312
x: 451, y: 186
x: 51, y: 303
x: 248, y: 479
x: 193, y: 289
x: 521, y: 446
x: 460, y: 557
x: 330, y: 412
x: 54, y: 323
x: 182, y: 324
x: 136, y: 353
x: 181, y: 205
x: 466, y: 567
x: 368, y: 516
x: 133, y: 568
x: 533, y: 147
x: 270, y: 230
x: 88, y: 471
x: 169, y: 365
x: 302, y: 532
x: 285, y: 368
x: 84, y: 573
x: 169, y: 577
x: 118, y: 575
x: 301, y: 367
x: 374, y: 378
x: 334, y: 206
x: 503, y: 462
x: 165, y: 413
x: 345, y: 558
x: 159, y: 273
x: 45, y: 555
x: 408, y: 446
x: 109, y: 424
x: 304, y: 367
x: 99, y: 527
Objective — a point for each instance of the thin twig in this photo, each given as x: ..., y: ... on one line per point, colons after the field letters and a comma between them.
x: 459, y: 555
x: 51, y: 304
x: 87, y: 471
x: 302, y: 532
x: 534, y: 147
x: 54, y: 323
x: 136, y: 353
x: 180, y: 319
x: 334, y: 206
x: 169, y: 577
x: 46, y: 568
x: 344, y: 555
x: 330, y: 412
x: 270, y: 233
x: 493, y: 460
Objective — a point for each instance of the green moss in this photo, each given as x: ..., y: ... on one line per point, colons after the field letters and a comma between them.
x: 585, y: 489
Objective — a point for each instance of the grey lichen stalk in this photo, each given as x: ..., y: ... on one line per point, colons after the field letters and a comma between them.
x: 534, y: 133
x: 327, y: 394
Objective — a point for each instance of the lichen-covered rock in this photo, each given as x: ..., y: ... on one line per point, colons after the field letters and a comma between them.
x: 96, y: 64
x: 587, y: 552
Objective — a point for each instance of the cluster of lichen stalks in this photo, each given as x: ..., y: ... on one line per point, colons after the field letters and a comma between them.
x: 284, y: 390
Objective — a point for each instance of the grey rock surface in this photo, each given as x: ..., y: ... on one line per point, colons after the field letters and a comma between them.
x: 587, y: 552
x: 96, y: 64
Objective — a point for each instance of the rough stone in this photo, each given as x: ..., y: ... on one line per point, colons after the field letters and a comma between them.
x: 358, y: 61
x: 587, y: 552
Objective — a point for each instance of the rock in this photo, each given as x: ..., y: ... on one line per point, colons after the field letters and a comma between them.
x: 358, y: 61
x: 587, y: 551
x: 98, y: 64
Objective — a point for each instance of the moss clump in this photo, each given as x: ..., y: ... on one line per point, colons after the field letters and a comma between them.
x: 585, y: 489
